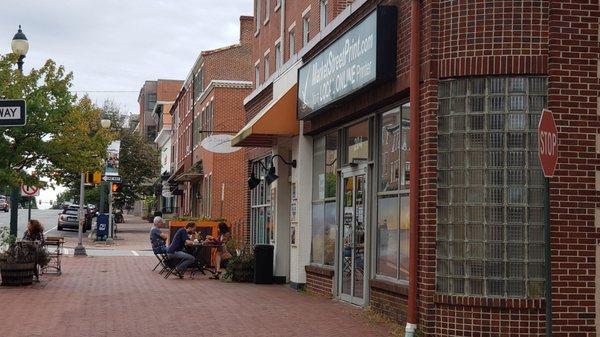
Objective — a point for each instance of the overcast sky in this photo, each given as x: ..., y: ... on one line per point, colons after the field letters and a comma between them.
x: 113, y: 46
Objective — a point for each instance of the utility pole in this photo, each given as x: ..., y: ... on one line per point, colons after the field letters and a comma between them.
x: 109, y: 240
x: 80, y: 249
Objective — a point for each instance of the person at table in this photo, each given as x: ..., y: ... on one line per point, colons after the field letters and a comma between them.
x: 34, y: 232
x: 221, y: 240
x: 158, y: 239
x: 177, y: 248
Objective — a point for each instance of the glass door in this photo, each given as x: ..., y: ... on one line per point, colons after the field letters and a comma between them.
x: 352, y: 236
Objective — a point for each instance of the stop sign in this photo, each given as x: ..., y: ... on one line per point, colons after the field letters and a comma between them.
x: 548, y: 143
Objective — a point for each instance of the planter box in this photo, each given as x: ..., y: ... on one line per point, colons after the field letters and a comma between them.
x: 242, y: 274
x: 204, y: 227
x: 16, y: 274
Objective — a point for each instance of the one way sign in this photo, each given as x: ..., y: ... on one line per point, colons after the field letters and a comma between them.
x: 12, y: 112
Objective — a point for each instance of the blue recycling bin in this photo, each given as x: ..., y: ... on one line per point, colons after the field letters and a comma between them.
x: 102, y: 227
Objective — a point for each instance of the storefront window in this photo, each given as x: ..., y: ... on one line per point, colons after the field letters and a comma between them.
x: 324, y: 219
x: 392, y: 200
x: 357, y: 143
x: 490, y: 187
x: 260, y: 205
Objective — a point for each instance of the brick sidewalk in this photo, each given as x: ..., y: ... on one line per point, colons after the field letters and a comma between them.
x: 133, y: 234
x: 120, y: 296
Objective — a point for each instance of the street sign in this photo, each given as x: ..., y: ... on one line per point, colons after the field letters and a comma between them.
x: 548, y: 143
x: 13, y: 112
x: 29, y: 191
x: 114, y: 179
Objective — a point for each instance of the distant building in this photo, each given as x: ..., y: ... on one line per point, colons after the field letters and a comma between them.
x: 206, y: 184
x: 151, y: 93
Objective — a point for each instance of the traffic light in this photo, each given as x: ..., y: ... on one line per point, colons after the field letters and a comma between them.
x: 93, y: 178
x: 97, y: 179
x: 116, y: 187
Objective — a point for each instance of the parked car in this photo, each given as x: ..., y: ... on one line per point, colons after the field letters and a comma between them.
x: 4, y: 205
x: 68, y: 218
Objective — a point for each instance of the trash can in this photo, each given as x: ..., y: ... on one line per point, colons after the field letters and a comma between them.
x: 263, y: 264
x: 102, y: 227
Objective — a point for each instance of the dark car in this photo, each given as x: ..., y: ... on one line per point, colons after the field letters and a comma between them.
x: 4, y: 205
x: 68, y: 218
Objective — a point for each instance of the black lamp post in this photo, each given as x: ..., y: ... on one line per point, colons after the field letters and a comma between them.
x: 271, y: 176
x: 20, y: 47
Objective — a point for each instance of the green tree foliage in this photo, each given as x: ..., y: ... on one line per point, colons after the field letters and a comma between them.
x: 138, y: 167
x: 63, y: 134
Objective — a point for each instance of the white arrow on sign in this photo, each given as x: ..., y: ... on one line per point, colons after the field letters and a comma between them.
x: 29, y: 191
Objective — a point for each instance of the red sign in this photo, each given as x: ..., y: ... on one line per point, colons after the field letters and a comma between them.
x: 29, y: 191
x: 548, y: 143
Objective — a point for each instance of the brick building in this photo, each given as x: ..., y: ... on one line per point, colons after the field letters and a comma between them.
x: 417, y: 188
x: 209, y: 103
x: 161, y: 90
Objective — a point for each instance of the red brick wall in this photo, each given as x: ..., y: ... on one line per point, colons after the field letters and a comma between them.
x: 389, y: 302
x: 319, y: 281
x: 459, y: 38
x: 167, y: 90
x: 271, y: 32
x: 230, y: 63
x: 574, y: 87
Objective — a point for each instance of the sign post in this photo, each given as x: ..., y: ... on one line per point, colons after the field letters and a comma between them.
x: 548, y: 153
x: 29, y: 192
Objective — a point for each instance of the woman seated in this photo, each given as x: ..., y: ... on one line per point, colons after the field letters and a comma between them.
x: 221, y: 240
x: 34, y: 233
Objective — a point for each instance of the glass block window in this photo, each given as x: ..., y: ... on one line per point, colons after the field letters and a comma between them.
x: 490, y: 187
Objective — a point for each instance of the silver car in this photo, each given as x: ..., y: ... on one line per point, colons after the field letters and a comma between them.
x: 68, y: 218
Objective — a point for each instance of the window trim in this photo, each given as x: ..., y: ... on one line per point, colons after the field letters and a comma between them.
x: 267, y: 12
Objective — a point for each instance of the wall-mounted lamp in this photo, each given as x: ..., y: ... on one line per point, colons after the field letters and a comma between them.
x: 271, y: 176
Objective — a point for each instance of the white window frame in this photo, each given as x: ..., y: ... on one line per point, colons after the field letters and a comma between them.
x: 278, y: 55
x: 257, y: 72
x: 267, y: 11
x: 323, y: 4
x: 305, y: 26
x: 292, y: 41
x: 266, y: 68
x: 256, y: 17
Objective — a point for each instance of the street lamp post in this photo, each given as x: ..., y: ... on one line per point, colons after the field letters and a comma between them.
x: 20, y: 47
x: 80, y: 249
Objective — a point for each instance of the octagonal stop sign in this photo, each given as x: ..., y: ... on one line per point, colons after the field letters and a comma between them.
x: 548, y: 143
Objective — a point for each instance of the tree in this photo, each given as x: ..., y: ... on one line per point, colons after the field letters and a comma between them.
x: 138, y: 166
x: 62, y: 136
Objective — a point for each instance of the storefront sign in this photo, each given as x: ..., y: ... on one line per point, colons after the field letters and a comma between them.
x: 363, y: 55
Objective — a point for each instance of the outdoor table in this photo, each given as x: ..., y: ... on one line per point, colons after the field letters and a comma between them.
x: 204, y: 257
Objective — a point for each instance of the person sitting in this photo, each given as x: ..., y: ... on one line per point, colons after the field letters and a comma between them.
x: 34, y: 232
x: 158, y: 239
x: 177, y: 246
x: 221, y: 240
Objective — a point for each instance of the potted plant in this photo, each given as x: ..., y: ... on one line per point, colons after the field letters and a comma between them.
x: 240, y: 268
x: 18, y: 260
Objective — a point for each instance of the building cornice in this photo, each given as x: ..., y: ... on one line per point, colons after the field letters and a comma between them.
x: 223, y: 84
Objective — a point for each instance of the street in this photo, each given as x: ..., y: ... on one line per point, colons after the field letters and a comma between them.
x: 49, y: 219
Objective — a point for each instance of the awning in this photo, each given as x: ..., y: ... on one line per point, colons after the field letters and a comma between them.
x: 194, y: 173
x: 278, y: 118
